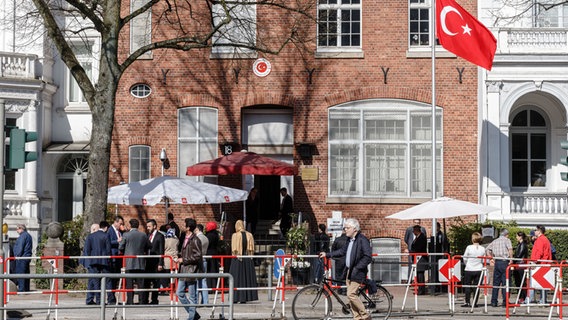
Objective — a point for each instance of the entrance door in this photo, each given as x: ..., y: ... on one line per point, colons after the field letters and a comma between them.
x: 71, y: 187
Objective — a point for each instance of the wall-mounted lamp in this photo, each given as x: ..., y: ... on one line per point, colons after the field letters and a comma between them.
x: 305, y: 150
x: 164, y: 159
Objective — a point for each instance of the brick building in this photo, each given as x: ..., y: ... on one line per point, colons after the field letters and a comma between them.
x: 353, y: 113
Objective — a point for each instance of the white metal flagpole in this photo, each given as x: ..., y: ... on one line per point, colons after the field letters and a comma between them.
x: 433, y: 46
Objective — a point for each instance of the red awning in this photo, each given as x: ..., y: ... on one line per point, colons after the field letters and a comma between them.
x: 242, y: 163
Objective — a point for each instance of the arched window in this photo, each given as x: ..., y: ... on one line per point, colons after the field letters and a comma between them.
x: 528, y: 149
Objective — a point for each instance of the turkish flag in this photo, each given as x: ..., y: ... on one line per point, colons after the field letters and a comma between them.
x: 462, y: 34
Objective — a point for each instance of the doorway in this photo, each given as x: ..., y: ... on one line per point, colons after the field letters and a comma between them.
x: 71, y: 186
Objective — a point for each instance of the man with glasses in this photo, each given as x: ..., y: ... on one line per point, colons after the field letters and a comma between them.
x: 357, y: 255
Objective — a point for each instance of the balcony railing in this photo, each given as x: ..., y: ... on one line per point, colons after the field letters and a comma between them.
x: 17, y: 65
x: 532, y: 40
x: 538, y: 203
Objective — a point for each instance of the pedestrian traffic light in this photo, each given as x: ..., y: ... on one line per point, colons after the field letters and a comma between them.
x: 17, y: 155
x: 564, y: 160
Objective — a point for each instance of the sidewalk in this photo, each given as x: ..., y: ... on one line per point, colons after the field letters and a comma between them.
x: 429, y: 307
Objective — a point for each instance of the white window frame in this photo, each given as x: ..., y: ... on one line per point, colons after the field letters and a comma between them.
x: 137, y: 176
x: 241, y: 30
x: 140, y: 28
x: 399, y: 111
x: 556, y: 17
x: 84, y: 59
x: 322, y: 51
x: 199, y: 139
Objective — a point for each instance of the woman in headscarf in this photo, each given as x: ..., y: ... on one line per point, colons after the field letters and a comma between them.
x: 242, y: 269
x: 170, y: 249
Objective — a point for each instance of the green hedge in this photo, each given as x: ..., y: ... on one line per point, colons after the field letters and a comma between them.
x: 459, y: 235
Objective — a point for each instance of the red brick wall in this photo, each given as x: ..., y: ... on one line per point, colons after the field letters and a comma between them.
x: 195, y: 80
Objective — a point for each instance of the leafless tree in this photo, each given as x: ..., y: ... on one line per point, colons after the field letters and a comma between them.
x: 224, y: 26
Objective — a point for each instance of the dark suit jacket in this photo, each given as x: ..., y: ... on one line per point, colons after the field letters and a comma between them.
x: 134, y: 243
x: 286, y: 208
x: 113, y: 240
x: 97, y: 244
x: 420, y: 244
x: 156, y: 248
x: 361, y: 256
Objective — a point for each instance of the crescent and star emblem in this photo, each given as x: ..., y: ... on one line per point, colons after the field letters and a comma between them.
x: 444, y: 13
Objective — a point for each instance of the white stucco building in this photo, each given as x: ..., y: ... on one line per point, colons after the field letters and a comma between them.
x: 40, y: 96
x: 523, y: 115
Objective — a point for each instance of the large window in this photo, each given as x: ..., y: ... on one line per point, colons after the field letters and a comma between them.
x: 138, y: 163
x: 383, y: 148
x: 140, y: 28
x: 528, y: 149
x: 232, y: 38
x: 197, y: 136
x: 339, y: 24
x: 84, y: 52
x: 555, y: 17
x: 419, y: 23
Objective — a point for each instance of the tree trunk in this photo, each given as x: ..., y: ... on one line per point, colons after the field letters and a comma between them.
x: 99, y: 157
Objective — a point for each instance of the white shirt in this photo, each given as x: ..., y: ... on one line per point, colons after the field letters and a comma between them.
x: 472, y: 263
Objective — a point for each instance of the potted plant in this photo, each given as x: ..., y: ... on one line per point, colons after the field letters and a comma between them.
x: 298, y: 243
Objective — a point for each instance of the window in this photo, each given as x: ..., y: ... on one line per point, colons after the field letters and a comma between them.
x: 138, y: 163
x: 140, y: 28
x: 140, y: 90
x: 383, y: 148
x: 84, y: 53
x: 197, y: 136
x: 555, y: 17
x: 528, y: 149
x: 339, y: 24
x: 241, y: 30
x: 419, y: 23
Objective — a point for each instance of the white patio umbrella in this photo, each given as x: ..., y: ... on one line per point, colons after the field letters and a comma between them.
x: 441, y: 208
x: 172, y: 190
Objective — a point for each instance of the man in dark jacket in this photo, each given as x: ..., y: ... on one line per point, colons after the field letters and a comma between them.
x: 358, y: 256
x: 191, y: 261
x: 153, y: 265
x: 97, y: 244
x: 286, y: 211
x: 419, y: 245
x: 23, y: 248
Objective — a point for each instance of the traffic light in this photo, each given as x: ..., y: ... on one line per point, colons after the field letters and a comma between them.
x: 17, y: 155
x: 564, y: 160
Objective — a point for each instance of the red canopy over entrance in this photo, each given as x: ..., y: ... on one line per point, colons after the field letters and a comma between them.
x: 242, y: 163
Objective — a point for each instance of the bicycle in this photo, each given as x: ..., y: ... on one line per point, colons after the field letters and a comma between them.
x: 314, y: 301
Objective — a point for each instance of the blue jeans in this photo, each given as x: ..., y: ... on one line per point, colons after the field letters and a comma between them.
x: 499, y: 279
x: 202, y: 284
x: 183, y: 296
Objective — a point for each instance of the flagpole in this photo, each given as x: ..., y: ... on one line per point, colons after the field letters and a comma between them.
x: 433, y: 46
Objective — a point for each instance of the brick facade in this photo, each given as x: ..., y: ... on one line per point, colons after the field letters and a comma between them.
x: 193, y: 79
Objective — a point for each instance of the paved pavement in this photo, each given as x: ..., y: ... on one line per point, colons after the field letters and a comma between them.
x: 424, y: 307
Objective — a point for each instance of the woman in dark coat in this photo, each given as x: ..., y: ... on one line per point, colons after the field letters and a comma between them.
x: 212, y: 264
x: 521, y: 252
x: 242, y: 269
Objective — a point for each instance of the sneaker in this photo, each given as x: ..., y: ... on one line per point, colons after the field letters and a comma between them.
x: 466, y: 305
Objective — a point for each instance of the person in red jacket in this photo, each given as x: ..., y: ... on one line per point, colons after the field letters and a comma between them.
x: 541, y: 252
x: 541, y: 248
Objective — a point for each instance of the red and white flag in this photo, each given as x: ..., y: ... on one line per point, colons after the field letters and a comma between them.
x: 462, y: 34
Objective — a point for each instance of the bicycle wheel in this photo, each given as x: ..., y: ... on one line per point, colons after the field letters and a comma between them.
x: 380, y: 306
x: 312, y: 302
